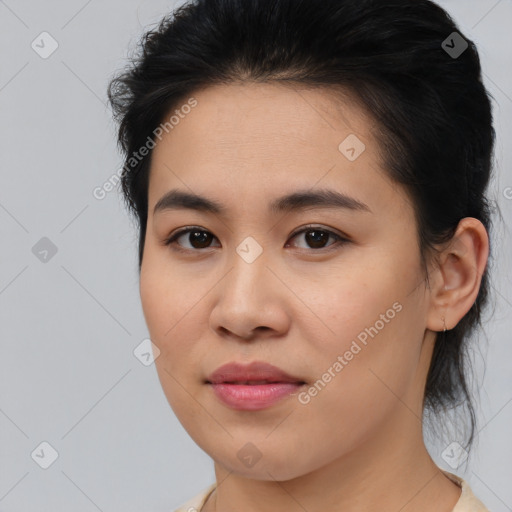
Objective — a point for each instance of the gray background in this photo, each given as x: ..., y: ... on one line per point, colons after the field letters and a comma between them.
x: 69, y: 326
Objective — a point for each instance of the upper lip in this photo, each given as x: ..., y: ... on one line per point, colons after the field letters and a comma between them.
x: 255, y: 371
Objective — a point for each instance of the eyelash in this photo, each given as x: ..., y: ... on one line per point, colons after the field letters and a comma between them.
x: 172, y: 239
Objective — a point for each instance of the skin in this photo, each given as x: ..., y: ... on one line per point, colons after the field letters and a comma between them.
x: 357, y: 444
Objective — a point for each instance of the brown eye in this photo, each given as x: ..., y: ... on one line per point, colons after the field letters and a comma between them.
x: 197, y: 238
x: 317, y: 238
x: 202, y: 238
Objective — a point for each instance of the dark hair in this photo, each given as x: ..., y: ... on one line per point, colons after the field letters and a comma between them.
x: 397, y: 58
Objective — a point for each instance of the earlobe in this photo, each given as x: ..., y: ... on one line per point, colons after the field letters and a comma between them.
x: 459, y: 275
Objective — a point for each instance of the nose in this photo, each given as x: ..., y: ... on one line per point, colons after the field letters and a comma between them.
x: 250, y: 301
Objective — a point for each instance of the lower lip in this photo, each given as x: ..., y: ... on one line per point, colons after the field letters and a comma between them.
x: 253, y: 397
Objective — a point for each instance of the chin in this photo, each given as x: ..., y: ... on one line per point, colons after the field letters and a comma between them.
x: 266, y: 464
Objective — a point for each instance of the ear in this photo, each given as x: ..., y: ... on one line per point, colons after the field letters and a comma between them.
x: 457, y: 277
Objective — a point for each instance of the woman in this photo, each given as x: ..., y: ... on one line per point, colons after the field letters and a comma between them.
x: 309, y: 178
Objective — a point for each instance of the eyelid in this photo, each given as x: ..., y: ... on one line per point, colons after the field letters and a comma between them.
x: 341, y: 238
x: 331, y: 231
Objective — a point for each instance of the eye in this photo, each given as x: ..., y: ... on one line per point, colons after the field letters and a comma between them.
x: 316, y: 237
x: 199, y: 238
x: 196, y: 235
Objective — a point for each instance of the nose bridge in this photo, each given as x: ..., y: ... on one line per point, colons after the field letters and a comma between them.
x: 249, y: 271
x: 245, y: 298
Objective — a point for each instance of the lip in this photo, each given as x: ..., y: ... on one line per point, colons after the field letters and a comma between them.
x: 252, y: 387
x: 257, y: 370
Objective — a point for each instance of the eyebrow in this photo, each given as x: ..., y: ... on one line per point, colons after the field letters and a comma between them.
x: 302, y: 199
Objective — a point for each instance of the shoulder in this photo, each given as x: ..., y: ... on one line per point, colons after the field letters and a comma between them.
x: 196, y: 503
x: 468, y: 502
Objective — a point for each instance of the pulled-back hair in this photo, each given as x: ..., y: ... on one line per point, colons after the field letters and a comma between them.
x: 398, y: 59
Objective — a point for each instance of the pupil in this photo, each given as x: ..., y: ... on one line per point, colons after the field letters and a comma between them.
x: 315, y: 240
x: 204, y: 239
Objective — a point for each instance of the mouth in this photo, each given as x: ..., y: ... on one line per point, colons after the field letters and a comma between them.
x: 255, y: 373
x: 255, y: 382
x: 253, y: 395
x: 252, y: 387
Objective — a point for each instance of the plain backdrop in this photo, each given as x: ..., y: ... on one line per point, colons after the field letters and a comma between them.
x: 70, y: 314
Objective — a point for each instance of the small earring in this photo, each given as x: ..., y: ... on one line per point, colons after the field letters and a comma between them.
x: 444, y: 323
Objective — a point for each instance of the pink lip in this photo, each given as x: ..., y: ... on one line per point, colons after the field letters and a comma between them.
x: 229, y: 383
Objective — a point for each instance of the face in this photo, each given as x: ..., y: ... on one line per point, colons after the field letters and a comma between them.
x: 332, y: 294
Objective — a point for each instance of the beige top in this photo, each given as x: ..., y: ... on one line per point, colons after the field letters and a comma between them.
x: 468, y: 502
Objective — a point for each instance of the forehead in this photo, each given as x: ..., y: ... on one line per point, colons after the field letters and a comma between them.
x: 263, y: 139
x: 246, y: 116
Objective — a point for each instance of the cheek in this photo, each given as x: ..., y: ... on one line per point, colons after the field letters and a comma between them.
x: 359, y: 298
x: 362, y: 376
x: 368, y: 332
x: 166, y: 296
x: 165, y: 312
x: 154, y: 295
x: 172, y: 305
